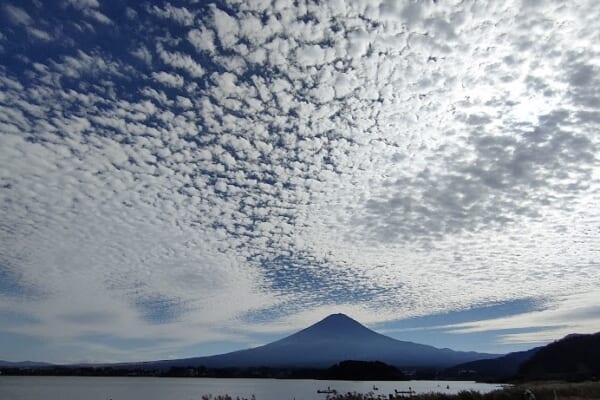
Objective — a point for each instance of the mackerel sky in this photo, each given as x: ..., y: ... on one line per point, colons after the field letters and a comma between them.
x: 188, y: 178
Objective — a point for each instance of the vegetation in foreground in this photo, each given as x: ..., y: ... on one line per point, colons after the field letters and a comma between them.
x: 530, y: 391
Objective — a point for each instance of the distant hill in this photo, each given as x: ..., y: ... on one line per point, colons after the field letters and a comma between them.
x: 332, y: 340
x: 575, y: 357
x: 23, y: 364
x: 495, y: 369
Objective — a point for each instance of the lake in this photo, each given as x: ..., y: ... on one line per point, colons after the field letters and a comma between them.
x: 104, y: 388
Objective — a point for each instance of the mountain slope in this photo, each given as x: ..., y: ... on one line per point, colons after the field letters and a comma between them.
x: 501, y: 368
x: 575, y: 357
x: 334, y: 339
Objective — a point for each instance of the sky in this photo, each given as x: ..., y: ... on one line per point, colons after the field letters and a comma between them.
x: 187, y: 178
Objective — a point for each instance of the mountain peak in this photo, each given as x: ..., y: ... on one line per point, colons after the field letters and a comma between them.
x: 339, y: 320
x: 339, y: 317
x: 336, y: 325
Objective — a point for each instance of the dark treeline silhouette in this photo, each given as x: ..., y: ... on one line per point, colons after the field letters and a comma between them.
x: 573, y: 358
x: 345, y: 370
x: 501, y: 369
x: 363, y: 370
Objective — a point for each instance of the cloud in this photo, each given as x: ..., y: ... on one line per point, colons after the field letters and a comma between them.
x: 180, y: 61
x: 569, y: 314
x: 202, y: 39
x: 89, y: 8
x: 157, y: 309
x: 506, y: 178
x: 17, y: 15
x: 84, y: 4
x: 260, y: 165
x: 13, y: 286
x: 226, y: 27
x: 167, y: 79
x: 39, y: 34
x: 181, y: 15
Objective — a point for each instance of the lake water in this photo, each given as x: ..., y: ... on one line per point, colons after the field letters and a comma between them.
x: 101, y: 388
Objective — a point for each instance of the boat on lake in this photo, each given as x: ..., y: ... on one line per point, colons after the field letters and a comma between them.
x: 327, y: 391
x: 402, y: 393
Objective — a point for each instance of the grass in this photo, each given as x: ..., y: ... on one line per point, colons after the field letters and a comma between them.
x: 540, y: 391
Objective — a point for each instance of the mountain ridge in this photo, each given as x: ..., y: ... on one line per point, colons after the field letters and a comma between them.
x: 574, y: 357
x: 333, y: 339
x: 502, y: 368
x: 24, y: 364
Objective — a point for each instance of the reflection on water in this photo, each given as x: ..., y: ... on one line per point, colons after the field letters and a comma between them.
x: 103, y: 388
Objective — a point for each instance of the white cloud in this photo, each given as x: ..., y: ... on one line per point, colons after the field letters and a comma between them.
x: 313, y: 55
x: 143, y: 54
x: 575, y: 313
x: 85, y: 64
x: 330, y: 159
x: 17, y: 15
x: 39, y: 34
x: 184, y: 102
x: 98, y: 16
x: 358, y: 44
x: 181, y: 15
x: 83, y: 4
x: 180, y: 61
x: 226, y: 26
x: 89, y: 8
x: 202, y: 39
x: 167, y: 79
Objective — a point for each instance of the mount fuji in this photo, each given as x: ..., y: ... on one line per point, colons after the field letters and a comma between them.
x: 331, y: 340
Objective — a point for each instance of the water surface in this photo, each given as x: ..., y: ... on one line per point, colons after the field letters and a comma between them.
x: 119, y: 388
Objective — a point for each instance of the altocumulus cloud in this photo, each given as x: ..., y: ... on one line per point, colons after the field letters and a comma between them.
x: 170, y: 172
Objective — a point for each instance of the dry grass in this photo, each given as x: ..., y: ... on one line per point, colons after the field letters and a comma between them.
x: 540, y: 391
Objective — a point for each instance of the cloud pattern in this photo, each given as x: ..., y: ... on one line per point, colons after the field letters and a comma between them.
x: 181, y: 169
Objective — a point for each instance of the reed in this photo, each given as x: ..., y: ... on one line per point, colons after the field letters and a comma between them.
x: 528, y: 391
x: 525, y: 391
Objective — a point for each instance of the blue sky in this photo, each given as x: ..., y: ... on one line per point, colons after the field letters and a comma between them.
x: 186, y: 178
